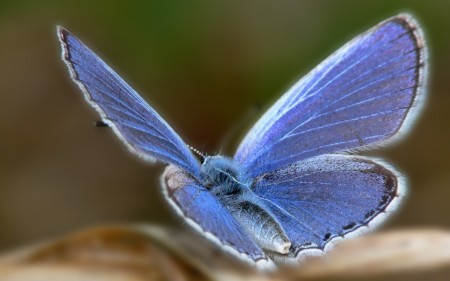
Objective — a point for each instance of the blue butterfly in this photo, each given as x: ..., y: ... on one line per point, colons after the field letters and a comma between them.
x: 293, y: 187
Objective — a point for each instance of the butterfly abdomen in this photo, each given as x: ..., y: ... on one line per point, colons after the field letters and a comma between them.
x: 259, y: 223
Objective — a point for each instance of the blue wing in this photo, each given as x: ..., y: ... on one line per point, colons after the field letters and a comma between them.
x: 195, y: 203
x: 359, y: 96
x: 319, y: 199
x: 133, y: 120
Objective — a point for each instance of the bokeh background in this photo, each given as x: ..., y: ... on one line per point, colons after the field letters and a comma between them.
x: 210, y: 68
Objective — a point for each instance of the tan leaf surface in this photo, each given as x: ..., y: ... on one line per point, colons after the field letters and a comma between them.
x: 156, y: 253
x: 104, y: 253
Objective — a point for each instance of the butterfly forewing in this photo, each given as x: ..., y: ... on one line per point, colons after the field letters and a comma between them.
x: 359, y: 96
x: 134, y: 121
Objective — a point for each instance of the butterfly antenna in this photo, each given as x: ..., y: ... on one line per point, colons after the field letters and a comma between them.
x: 196, y: 151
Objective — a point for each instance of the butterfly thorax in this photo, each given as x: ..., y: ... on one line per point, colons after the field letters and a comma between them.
x: 221, y: 175
x: 225, y: 180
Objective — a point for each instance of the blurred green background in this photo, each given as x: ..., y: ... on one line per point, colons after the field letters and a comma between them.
x: 208, y: 67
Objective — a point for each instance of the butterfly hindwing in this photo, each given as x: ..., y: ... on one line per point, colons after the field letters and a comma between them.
x: 360, y: 96
x: 133, y: 120
x: 202, y: 210
x: 326, y: 197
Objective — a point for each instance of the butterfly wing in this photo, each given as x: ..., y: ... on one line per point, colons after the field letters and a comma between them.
x: 360, y: 96
x: 195, y: 203
x: 327, y: 197
x: 135, y: 122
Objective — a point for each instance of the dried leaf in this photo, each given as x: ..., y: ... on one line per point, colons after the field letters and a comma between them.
x: 140, y: 252
x: 389, y: 252
x: 103, y: 253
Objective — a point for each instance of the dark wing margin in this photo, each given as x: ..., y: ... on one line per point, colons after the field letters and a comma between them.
x: 134, y: 121
x: 204, y: 213
x: 365, y: 94
x: 323, y: 199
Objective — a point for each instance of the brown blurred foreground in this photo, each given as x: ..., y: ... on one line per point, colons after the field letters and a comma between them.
x: 156, y: 253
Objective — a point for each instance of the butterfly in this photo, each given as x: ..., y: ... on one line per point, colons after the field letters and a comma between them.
x: 294, y: 187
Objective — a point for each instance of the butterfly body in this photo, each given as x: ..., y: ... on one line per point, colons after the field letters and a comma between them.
x: 294, y: 186
x: 223, y: 176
